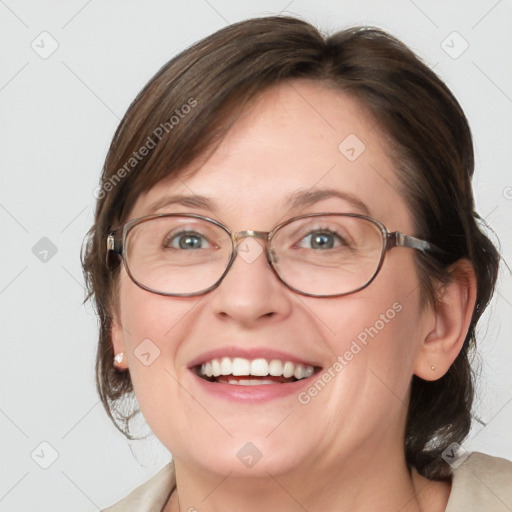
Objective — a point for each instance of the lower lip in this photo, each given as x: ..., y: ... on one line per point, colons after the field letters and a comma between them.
x: 251, y: 394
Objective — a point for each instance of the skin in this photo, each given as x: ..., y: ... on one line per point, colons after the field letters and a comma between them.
x: 344, y: 449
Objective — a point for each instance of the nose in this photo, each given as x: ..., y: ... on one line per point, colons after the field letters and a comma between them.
x: 251, y: 293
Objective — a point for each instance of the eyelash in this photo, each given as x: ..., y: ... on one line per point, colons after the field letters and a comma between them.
x: 171, y: 236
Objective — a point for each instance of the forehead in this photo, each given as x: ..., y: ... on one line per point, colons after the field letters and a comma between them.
x: 295, y: 139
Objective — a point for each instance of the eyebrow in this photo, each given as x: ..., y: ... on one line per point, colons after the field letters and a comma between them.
x: 299, y: 199
x: 191, y: 201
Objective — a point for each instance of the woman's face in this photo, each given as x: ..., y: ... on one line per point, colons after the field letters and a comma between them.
x: 299, y: 137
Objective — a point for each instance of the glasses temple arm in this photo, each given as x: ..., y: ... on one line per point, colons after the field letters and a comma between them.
x: 114, y: 243
x: 397, y: 239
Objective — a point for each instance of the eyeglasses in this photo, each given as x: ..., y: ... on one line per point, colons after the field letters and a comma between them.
x: 318, y: 255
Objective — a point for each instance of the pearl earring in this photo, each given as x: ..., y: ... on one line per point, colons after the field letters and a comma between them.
x: 432, y: 367
x: 119, y: 358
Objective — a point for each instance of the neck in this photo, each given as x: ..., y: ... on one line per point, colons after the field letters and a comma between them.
x: 370, y: 484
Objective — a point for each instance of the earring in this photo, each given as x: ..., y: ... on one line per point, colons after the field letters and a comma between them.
x: 119, y: 358
x: 432, y: 367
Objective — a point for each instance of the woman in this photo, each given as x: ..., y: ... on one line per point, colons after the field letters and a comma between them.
x: 289, y: 274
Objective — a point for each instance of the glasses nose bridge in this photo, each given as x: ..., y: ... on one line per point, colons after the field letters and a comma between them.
x: 240, y: 235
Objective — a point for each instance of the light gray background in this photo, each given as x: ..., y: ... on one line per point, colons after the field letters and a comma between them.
x: 57, y: 119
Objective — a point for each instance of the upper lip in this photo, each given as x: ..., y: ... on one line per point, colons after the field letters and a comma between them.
x: 250, y: 354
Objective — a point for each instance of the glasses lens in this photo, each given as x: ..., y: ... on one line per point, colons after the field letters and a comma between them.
x: 327, y: 255
x: 177, y: 255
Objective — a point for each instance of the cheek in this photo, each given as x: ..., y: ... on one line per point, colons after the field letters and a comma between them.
x: 375, y: 330
x: 153, y: 326
x: 372, y: 352
x: 145, y: 315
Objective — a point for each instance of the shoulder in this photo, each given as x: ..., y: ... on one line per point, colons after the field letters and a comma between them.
x: 481, y: 482
x: 150, y: 496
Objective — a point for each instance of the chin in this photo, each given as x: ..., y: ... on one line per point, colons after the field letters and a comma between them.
x: 249, y: 452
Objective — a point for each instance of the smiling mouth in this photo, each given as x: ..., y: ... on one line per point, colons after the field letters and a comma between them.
x: 255, y: 372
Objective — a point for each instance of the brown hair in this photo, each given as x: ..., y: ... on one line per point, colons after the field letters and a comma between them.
x: 182, y: 114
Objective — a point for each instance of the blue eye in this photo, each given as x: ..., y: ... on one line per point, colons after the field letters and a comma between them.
x: 321, y: 240
x: 187, y: 240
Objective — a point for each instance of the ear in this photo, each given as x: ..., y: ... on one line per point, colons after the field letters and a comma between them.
x: 117, y: 335
x: 447, y: 323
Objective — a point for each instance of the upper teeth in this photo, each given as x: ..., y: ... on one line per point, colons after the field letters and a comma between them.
x: 239, y: 366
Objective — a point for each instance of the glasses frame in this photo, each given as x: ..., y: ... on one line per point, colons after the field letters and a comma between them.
x: 116, y: 242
